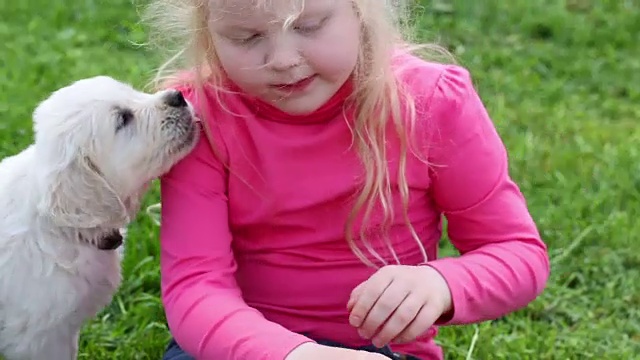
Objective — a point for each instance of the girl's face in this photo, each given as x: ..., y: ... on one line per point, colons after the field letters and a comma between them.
x: 296, y: 69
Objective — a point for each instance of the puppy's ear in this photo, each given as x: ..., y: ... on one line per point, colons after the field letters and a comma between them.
x: 77, y: 195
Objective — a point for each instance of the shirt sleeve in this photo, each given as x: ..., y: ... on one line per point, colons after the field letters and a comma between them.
x: 503, y: 263
x: 204, y: 307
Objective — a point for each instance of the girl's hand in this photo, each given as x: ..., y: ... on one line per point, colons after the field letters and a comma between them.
x: 398, y: 303
x: 313, y: 351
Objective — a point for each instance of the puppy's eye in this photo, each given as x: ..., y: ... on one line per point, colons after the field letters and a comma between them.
x: 125, y: 116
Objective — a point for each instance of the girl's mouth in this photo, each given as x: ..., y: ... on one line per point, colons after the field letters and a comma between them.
x: 297, y: 86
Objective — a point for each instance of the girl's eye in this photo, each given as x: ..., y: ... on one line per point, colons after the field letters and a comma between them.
x: 249, y: 39
x: 311, y: 27
x: 307, y: 29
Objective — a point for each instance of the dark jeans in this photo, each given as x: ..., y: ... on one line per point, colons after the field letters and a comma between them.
x: 174, y: 352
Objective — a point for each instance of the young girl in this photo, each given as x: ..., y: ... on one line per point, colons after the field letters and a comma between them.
x: 305, y: 224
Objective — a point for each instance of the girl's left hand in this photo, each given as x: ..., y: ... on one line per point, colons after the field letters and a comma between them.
x: 398, y: 303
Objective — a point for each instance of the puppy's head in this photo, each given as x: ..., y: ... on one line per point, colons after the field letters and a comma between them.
x: 99, y: 142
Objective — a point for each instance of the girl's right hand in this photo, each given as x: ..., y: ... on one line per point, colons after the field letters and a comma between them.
x: 313, y: 351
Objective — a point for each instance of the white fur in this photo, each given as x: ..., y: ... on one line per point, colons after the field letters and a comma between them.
x: 51, y: 282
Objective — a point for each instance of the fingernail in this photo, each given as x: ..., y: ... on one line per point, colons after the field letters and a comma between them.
x: 354, y: 321
x: 362, y: 334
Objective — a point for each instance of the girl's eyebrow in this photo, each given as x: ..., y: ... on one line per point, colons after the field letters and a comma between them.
x: 306, y: 15
x: 240, y: 28
x: 315, y: 15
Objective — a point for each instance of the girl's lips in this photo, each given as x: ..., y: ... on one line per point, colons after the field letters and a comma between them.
x: 297, y: 86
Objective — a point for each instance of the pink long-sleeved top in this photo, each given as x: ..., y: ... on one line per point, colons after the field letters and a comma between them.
x: 253, y: 255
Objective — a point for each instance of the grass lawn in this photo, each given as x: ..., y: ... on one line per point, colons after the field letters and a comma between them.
x: 561, y: 80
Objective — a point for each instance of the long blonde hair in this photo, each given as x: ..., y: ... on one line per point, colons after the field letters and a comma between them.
x: 378, y: 97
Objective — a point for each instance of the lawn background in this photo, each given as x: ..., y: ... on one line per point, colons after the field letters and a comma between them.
x: 561, y: 80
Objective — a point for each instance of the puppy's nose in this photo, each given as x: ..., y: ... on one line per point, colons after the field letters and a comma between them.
x: 175, y: 99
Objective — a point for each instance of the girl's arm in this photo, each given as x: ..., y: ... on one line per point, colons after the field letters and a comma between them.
x: 504, y: 263
x: 203, y: 304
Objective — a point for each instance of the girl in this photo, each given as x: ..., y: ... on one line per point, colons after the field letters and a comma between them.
x: 305, y: 224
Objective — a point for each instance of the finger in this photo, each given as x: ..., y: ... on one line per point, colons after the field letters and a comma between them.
x: 400, y: 319
x: 390, y: 300
x: 354, y: 295
x: 373, y: 288
x: 380, y: 275
x: 425, y: 318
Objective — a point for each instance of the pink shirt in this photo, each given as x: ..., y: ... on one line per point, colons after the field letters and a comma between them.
x: 254, y: 257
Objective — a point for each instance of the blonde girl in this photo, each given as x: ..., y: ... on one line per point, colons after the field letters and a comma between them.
x: 305, y: 224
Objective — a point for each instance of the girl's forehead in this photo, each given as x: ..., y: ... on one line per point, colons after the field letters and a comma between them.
x: 270, y: 8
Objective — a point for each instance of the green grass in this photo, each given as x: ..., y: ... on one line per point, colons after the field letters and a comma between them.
x: 560, y: 79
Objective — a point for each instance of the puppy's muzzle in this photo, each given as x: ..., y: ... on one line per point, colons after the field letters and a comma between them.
x: 179, y: 124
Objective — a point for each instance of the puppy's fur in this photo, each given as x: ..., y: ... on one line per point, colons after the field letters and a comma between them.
x: 98, y: 144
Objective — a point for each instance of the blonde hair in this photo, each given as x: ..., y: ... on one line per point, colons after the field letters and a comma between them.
x: 377, y: 96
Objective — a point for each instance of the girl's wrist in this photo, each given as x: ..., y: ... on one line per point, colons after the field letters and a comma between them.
x: 443, y: 288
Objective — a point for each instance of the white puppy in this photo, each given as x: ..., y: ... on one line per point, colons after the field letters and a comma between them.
x: 98, y: 144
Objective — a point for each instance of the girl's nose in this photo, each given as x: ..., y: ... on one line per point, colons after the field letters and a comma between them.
x: 283, y: 54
